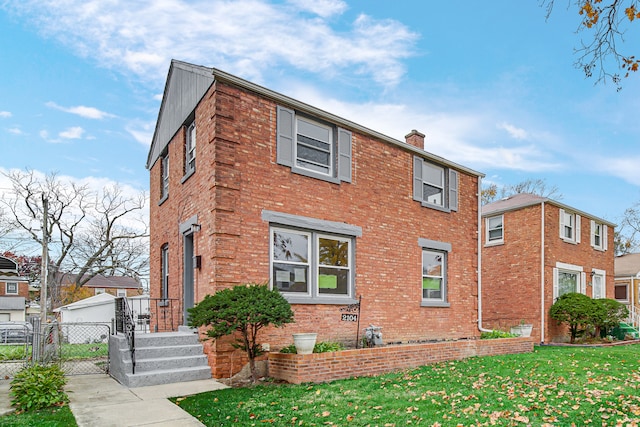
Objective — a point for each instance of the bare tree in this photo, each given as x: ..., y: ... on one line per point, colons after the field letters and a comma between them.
x: 91, y: 231
x: 606, y: 22
x: 539, y: 187
x: 627, y: 237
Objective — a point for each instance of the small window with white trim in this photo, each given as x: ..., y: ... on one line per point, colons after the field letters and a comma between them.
x: 621, y: 292
x: 100, y: 291
x: 190, y: 149
x: 495, y: 229
x: 11, y: 288
x: 569, y: 226
x: 121, y: 293
x: 568, y: 278
x: 599, y: 236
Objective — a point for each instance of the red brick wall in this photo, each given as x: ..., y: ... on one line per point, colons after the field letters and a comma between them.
x: 23, y: 289
x: 320, y: 367
x: 237, y: 177
x: 511, y: 273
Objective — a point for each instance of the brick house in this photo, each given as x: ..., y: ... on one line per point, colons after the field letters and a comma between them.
x: 119, y: 286
x: 535, y: 249
x: 14, y: 291
x: 627, y: 283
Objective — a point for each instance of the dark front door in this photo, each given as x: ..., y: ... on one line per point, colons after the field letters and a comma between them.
x: 188, y: 291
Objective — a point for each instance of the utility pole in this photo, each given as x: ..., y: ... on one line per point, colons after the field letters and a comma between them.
x: 44, y: 270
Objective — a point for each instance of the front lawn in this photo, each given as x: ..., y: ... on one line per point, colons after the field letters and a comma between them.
x: 552, y: 386
x: 50, y: 417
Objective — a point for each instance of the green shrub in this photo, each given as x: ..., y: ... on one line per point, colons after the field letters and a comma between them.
x: 577, y: 311
x: 245, y: 309
x: 38, y: 387
x: 496, y: 334
x: 612, y: 313
x: 321, y: 347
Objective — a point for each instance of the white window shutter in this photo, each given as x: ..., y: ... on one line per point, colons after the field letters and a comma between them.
x: 561, y: 223
x: 577, y: 228
x: 593, y: 233
x: 417, y: 179
x: 555, y: 284
x: 583, y: 283
x: 604, y: 238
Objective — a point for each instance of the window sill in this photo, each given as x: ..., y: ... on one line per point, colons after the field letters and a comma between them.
x: 293, y: 299
x: 435, y: 207
x: 187, y: 175
x: 596, y: 248
x: 487, y: 245
x: 435, y: 304
x: 573, y: 242
x: 161, y: 201
x: 316, y: 175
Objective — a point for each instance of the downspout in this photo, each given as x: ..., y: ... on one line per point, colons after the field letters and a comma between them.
x: 542, y: 309
x: 479, y: 271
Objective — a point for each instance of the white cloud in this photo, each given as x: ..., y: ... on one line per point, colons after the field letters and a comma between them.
x: 142, y: 131
x: 15, y: 131
x: 5, y: 114
x: 243, y: 37
x: 625, y: 168
x: 514, y: 132
x: 72, y: 133
x: 81, y: 110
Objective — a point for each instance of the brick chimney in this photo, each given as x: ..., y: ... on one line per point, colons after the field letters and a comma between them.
x: 416, y: 139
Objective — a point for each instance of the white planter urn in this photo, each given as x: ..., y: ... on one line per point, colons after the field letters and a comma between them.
x: 523, y: 330
x: 305, y: 342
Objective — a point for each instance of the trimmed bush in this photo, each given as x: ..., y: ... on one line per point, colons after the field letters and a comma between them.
x: 575, y: 310
x: 321, y: 347
x: 38, y: 387
x: 496, y: 334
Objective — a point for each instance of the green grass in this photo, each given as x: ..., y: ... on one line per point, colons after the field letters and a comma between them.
x: 553, y: 385
x: 14, y: 352
x: 67, y: 351
x: 50, y: 417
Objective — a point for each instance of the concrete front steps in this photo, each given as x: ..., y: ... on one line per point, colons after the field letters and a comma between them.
x: 161, y: 358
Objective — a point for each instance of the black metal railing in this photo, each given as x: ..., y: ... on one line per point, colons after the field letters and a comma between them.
x: 156, y: 314
x: 125, y: 324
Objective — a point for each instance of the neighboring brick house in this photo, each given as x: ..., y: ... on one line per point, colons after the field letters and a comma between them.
x: 325, y: 210
x: 14, y: 291
x: 119, y: 286
x: 627, y: 283
x: 535, y: 249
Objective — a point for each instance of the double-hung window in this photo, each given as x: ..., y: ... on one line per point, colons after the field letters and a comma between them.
x: 495, y: 229
x: 164, y: 177
x: 568, y: 278
x: 598, y: 236
x: 312, y: 261
x: 190, y: 149
x: 11, y: 288
x: 434, y: 272
x: 164, y: 271
x: 569, y: 226
x: 312, y: 147
x: 435, y: 186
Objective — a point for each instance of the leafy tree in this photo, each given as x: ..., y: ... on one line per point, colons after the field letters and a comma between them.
x: 539, y: 187
x: 245, y: 309
x: 90, y: 231
x: 606, y: 22
x: 609, y: 315
x: 576, y: 310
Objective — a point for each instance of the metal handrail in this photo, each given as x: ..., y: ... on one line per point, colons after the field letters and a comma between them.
x: 125, y: 324
x: 634, y: 317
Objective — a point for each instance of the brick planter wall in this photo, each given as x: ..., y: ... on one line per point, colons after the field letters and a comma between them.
x: 320, y: 367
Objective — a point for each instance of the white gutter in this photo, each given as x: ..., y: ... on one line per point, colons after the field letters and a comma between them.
x: 479, y: 236
x: 542, y: 310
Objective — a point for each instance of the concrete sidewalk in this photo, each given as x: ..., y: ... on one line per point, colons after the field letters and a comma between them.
x: 100, y: 401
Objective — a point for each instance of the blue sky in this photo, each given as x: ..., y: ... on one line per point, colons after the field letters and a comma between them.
x: 491, y: 84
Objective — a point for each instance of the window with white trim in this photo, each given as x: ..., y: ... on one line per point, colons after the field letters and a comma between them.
x: 621, y: 291
x: 434, y: 272
x: 435, y: 186
x: 311, y: 264
x: 495, y: 229
x: 164, y: 271
x: 190, y: 149
x: 11, y: 288
x: 121, y: 293
x: 164, y: 176
x: 569, y: 226
x: 598, y: 289
x: 312, y: 147
x: 568, y: 278
x: 100, y: 291
x: 599, y: 236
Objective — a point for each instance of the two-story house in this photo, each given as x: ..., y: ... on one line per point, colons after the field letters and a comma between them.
x: 250, y: 185
x: 535, y: 249
x: 14, y: 291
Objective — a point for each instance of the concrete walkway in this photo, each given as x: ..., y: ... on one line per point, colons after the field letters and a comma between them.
x: 100, y: 401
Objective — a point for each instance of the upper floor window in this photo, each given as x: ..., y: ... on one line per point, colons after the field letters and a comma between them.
x: 313, y: 148
x: 494, y: 229
x: 190, y: 149
x: 569, y: 226
x: 598, y: 236
x: 164, y: 177
x: 434, y: 272
x: 435, y: 186
x: 11, y: 288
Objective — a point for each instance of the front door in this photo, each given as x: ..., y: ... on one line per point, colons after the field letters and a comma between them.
x: 188, y: 285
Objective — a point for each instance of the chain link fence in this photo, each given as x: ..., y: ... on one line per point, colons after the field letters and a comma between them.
x: 79, y: 348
